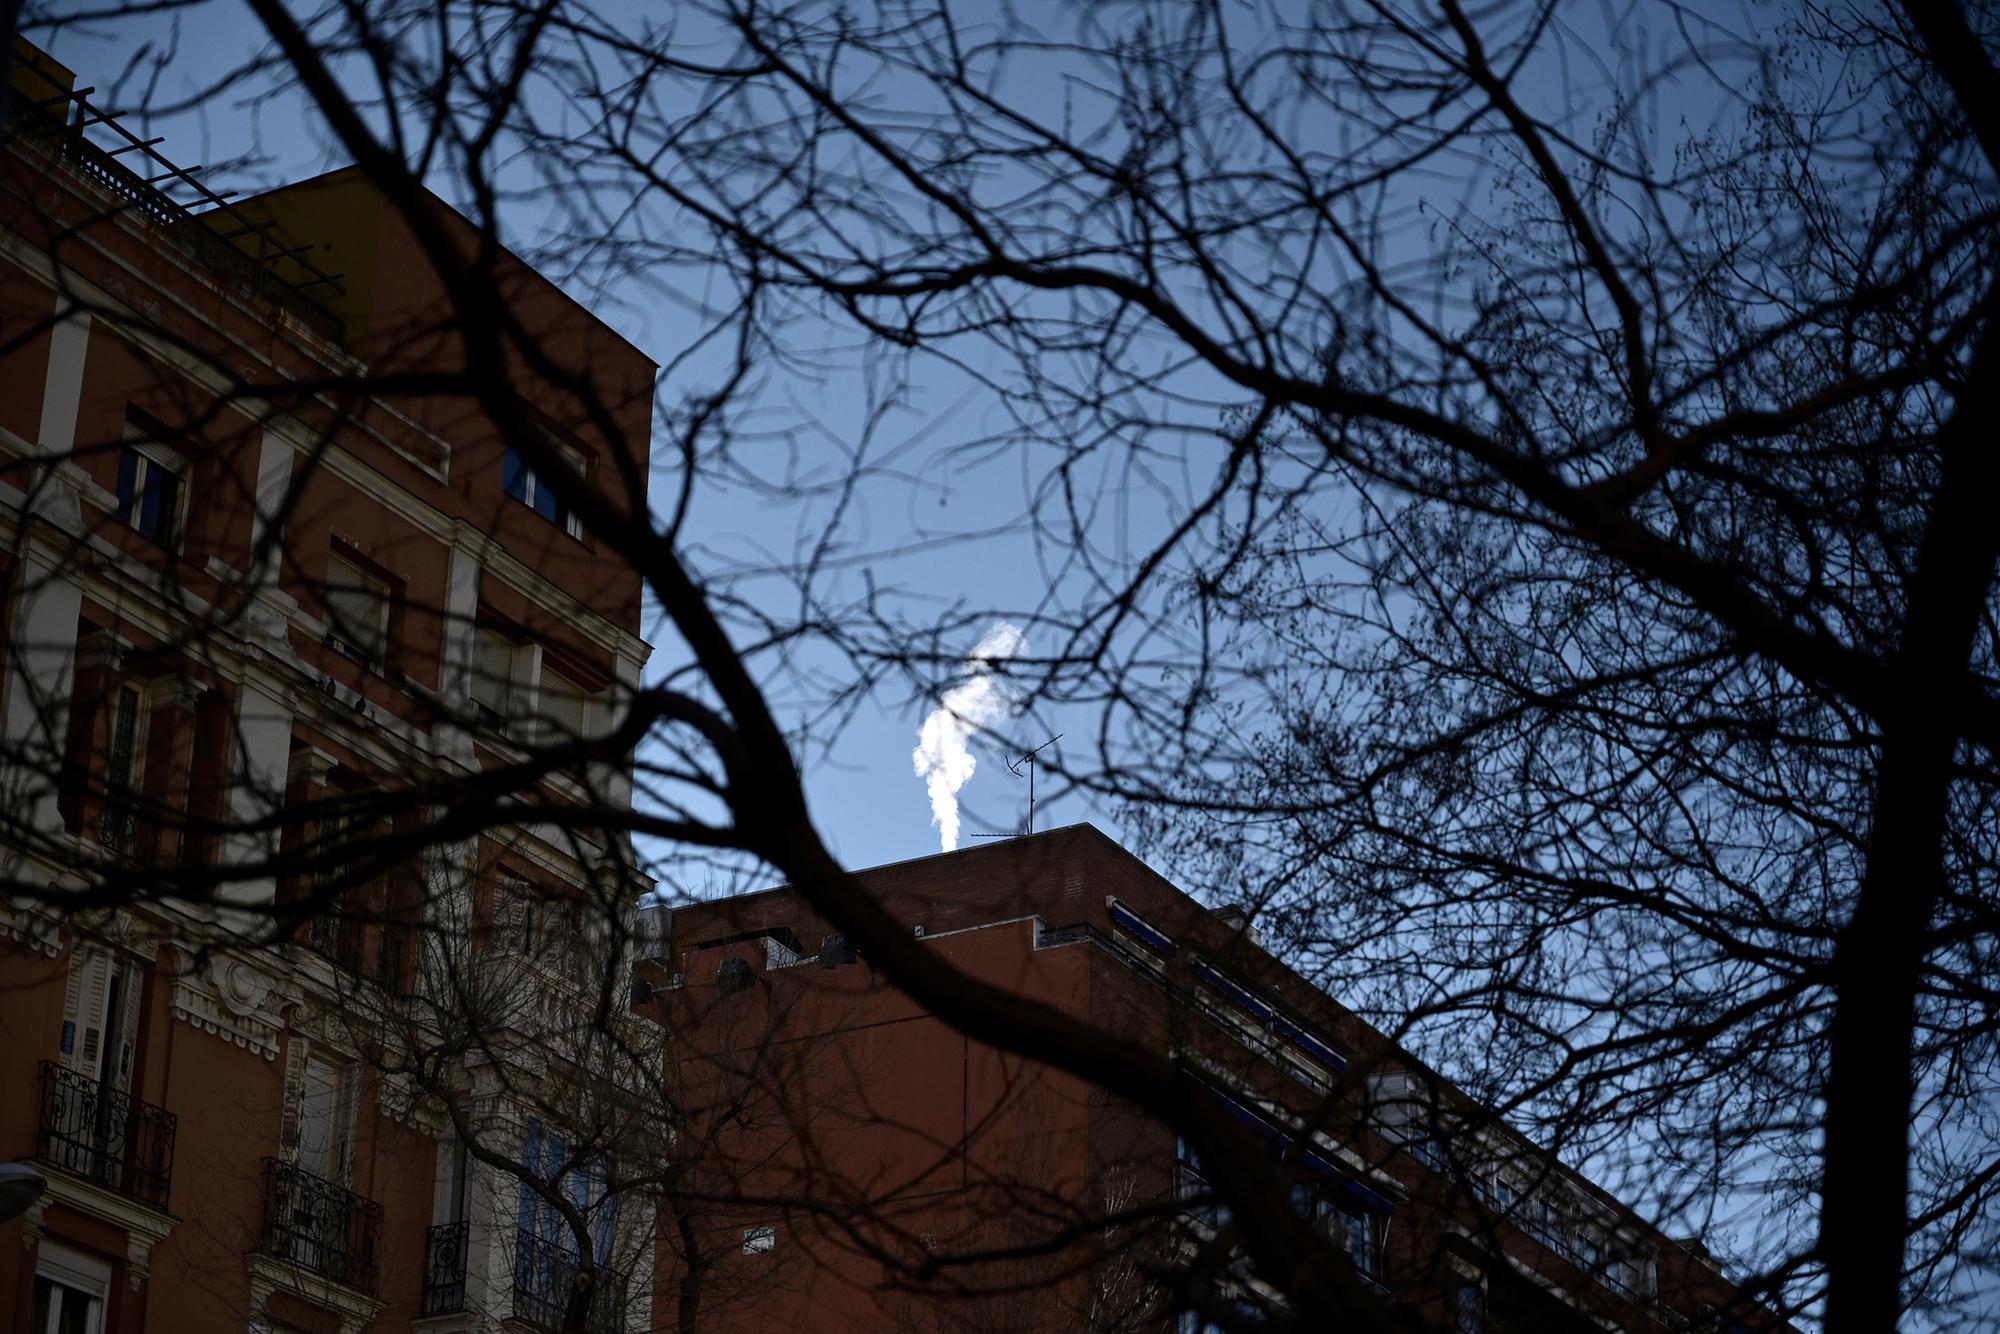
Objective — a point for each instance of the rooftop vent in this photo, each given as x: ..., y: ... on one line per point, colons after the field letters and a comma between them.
x: 835, y: 950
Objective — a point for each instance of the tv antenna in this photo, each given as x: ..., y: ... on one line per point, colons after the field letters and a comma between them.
x: 1014, y: 767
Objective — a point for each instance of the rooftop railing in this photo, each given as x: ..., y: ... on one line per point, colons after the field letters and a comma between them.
x: 209, y: 237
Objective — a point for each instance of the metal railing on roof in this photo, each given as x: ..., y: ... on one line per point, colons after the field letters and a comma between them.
x: 53, y: 124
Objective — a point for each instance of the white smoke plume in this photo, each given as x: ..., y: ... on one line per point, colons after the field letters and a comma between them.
x: 941, y: 758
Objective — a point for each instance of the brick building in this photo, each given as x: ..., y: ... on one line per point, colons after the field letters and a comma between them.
x: 243, y: 609
x: 882, y: 1143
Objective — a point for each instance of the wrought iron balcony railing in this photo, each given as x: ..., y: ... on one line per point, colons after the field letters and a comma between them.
x: 320, y: 1226
x: 337, y: 938
x: 545, y: 1276
x: 444, y: 1268
x: 91, y: 1130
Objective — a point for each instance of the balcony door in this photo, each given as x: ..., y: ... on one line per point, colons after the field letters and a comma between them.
x: 101, y: 1017
x: 89, y: 1121
x: 320, y: 1208
x: 546, y: 1254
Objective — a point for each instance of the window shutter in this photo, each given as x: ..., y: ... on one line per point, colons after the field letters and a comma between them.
x: 492, y: 670
x: 120, y: 763
x: 563, y: 707
x: 90, y: 979
x: 295, y: 1076
x: 319, y: 1104
x: 347, y: 1108
x: 357, y: 608
x: 128, y: 1026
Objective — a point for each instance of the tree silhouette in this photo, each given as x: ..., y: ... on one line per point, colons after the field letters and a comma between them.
x: 1507, y: 483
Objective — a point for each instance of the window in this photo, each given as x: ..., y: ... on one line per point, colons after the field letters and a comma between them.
x: 1359, y: 1228
x: 357, y: 612
x: 554, y: 929
x: 565, y: 707
x: 585, y: 1185
x: 760, y: 1240
x: 70, y: 1288
x: 1348, y: 1226
x: 121, y: 765
x: 149, y: 490
x: 521, y: 483
x: 516, y: 925
x: 454, y: 1175
x: 101, y: 1016
x: 492, y: 676
x: 326, y: 1119
x: 334, y: 930
x: 1469, y: 1310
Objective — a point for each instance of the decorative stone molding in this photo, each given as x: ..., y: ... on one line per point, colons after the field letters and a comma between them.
x: 398, y: 1097
x: 356, y: 1310
x: 35, y: 925
x: 144, y: 1227
x: 34, y: 1223
x: 234, y: 1000
x: 122, y: 930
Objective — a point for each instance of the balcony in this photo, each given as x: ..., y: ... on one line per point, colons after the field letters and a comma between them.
x: 321, y: 1227
x: 111, y: 1139
x: 336, y: 938
x: 545, y: 1276
x: 444, y: 1269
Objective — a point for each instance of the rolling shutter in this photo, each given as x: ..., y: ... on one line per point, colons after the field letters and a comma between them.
x: 492, y: 670
x: 564, y: 707
x: 357, y: 609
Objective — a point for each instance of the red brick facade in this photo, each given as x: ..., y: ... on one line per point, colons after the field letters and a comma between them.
x: 816, y: 1083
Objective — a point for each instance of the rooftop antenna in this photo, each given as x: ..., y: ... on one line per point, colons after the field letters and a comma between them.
x: 1014, y: 767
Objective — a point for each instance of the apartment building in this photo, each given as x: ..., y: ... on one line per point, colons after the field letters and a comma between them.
x: 251, y: 597
x: 908, y: 1178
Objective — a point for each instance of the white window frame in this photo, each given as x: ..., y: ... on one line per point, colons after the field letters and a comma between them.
x: 153, y: 455
x: 452, y: 1197
x: 78, y: 1272
x: 531, y: 484
x: 87, y: 1010
x: 342, y: 1108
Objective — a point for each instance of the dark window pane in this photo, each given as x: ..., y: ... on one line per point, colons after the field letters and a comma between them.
x: 515, y: 475
x: 128, y: 468
x: 156, y: 503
